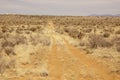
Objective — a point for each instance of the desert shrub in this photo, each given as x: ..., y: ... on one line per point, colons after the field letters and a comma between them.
x: 59, y: 30
x: 8, y: 46
x: 115, y: 40
x: 87, y: 30
x: 7, y: 43
x: 34, y: 40
x: 11, y: 30
x: 106, y: 35
x: 11, y: 41
x: 80, y: 35
x: 11, y: 63
x: 4, y: 29
x: 45, y: 41
x: 9, y: 50
x: 20, y: 39
x: 27, y: 32
x: 2, y: 64
x: 66, y: 30
x: 1, y: 35
x: 18, y: 31
x: 5, y: 64
x: 33, y: 29
x: 82, y: 43
x: 74, y: 33
x: 98, y: 41
x: 2, y: 67
x: 44, y: 74
x: 117, y: 32
x: 118, y: 47
x: 23, y: 26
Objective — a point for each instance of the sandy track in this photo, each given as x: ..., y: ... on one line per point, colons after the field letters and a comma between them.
x: 68, y: 64
x: 54, y: 65
x: 60, y: 64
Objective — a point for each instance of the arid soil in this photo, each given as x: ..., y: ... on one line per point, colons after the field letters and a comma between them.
x: 51, y: 54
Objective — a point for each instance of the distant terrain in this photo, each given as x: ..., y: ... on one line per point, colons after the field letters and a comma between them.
x: 34, y: 47
x: 117, y: 15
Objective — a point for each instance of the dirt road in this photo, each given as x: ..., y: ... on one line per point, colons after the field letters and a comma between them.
x: 69, y: 63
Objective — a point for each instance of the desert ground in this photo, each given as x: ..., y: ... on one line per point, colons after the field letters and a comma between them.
x: 34, y: 47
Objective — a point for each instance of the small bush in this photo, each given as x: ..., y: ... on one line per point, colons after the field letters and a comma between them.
x: 81, y: 35
x: 6, y: 43
x: 116, y: 42
x: 9, y: 50
x: 98, y: 41
x: 33, y: 29
x: 1, y: 35
x: 5, y: 64
x: 20, y: 39
x: 66, y: 30
x: 82, y: 43
x: 74, y: 33
x: 44, y: 74
x: 118, y: 47
x: 2, y: 67
x: 106, y: 35
x: 87, y: 30
x: 117, y: 32
x: 11, y: 64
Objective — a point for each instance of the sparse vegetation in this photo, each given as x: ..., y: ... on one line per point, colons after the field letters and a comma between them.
x: 26, y: 40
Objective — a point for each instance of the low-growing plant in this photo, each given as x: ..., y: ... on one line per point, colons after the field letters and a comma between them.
x: 117, y: 32
x: 74, y: 33
x: 106, y: 35
x: 118, y: 47
x: 9, y: 50
x: 98, y: 41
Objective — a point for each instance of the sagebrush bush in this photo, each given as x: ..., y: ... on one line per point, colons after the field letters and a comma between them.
x: 116, y: 42
x: 87, y: 30
x: 9, y: 50
x: 1, y: 35
x: 117, y: 32
x: 2, y: 67
x: 7, y: 43
x: 5, y: 64
x: 106, y: 35
x: 118, y: 47
x: 33, y: 29
x: 80, y: 35
x: 20, y: 39
x: 74, y: 33
x: 98, y: 41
